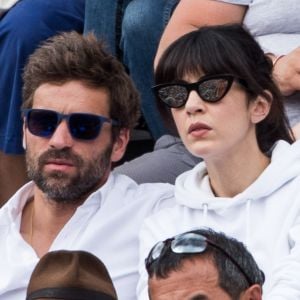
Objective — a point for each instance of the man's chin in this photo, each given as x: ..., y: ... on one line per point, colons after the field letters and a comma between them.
x: 68, y: 194
x: 55, y: 181
x: 57, y: 174
x: 58, y: 177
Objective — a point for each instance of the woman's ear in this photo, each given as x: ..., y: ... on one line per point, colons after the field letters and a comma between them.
x: 120, y: 144
x: 260, y: 108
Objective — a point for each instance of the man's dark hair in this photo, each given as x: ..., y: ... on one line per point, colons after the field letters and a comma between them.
x: 227, y: 49
x: 231, y: 279
x: 71, y: 56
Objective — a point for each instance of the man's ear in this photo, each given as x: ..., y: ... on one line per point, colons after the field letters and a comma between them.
x: 120, y: 144
x: 260, y: 108
x: 254, y: 292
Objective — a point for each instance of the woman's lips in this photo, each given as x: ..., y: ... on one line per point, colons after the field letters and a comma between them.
x: 198, y: 129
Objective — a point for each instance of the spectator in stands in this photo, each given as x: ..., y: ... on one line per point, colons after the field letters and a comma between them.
x: 275, y: 25
x: 79, y: 106
x: 22, y: 28
x: 215, y: 88
x: 277, y: 34
x: 203, y: 264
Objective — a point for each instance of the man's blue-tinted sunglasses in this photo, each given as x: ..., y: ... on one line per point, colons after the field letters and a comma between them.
x: 83, y: 126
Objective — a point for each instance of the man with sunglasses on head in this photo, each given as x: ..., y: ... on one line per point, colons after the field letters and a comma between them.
x: 79, y: 107
x: 201, y: 265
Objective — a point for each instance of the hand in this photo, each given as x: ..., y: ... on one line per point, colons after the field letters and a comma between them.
x: 287, y: 72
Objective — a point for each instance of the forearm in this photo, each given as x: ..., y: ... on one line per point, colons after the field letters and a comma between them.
x: 192, y: 14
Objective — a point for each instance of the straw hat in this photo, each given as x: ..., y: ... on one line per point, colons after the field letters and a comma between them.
x: 70, y: 275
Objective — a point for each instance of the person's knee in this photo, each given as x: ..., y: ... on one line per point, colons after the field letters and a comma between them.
x: 26, y: 28
x: 140, y: 18
x: 29, y: 21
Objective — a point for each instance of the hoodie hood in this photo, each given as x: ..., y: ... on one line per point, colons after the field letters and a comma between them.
x: 192, y: 188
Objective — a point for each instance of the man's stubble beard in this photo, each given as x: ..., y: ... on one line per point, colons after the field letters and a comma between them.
x: 61, y: 187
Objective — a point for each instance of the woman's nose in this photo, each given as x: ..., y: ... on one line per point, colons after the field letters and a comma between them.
x: 194, y: 103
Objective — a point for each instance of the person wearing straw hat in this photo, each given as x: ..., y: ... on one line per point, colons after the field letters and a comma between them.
x: 70, y: 275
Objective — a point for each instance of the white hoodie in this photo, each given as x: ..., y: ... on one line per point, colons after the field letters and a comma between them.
x: 265, y: 216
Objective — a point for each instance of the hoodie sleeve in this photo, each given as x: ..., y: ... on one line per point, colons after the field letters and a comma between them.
x: 285, y: 283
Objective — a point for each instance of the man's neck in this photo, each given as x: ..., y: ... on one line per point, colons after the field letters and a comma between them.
x: 43, y: 219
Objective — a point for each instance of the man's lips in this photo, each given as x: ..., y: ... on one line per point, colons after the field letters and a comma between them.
x: 59, y: 161
x: 59, y: 164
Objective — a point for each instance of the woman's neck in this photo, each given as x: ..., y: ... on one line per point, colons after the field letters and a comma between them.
x: 234, y: 173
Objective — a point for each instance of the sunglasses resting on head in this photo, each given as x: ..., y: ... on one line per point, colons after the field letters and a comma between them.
x: 189, y: 243
x: 210, y: 88
x: 82, y: 126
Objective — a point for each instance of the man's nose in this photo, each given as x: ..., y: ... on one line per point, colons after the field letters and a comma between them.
x: 61, y: 137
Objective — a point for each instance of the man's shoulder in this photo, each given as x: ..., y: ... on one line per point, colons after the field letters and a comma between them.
x: 147, y: 197
x: 146, y: 190
x: 159, y: 189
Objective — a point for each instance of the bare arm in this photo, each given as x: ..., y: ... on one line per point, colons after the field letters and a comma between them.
x: 287, y: 72
x: 192, y: 14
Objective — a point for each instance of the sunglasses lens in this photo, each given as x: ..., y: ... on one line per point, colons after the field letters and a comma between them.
x: 84, y: 126
x: 189, y: 243
x: 42, y: 122
x: 157, y: 250
x: 213, y: 90
x: 173, y: 96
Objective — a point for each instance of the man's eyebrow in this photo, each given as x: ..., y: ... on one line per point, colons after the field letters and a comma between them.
x: 199, y: 297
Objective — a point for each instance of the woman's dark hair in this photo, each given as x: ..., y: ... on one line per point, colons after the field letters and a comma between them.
x: 232, y: 50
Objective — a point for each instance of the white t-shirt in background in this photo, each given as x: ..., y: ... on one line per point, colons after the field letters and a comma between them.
x: 276, y: 26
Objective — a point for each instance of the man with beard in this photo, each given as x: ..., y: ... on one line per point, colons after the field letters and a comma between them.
x: 79, y: 107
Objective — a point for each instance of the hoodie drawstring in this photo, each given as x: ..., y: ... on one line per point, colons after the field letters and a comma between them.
x: 248, y: 206
x: 205, y: 208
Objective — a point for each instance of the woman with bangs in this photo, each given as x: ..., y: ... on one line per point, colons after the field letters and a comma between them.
x: 215, y: 89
